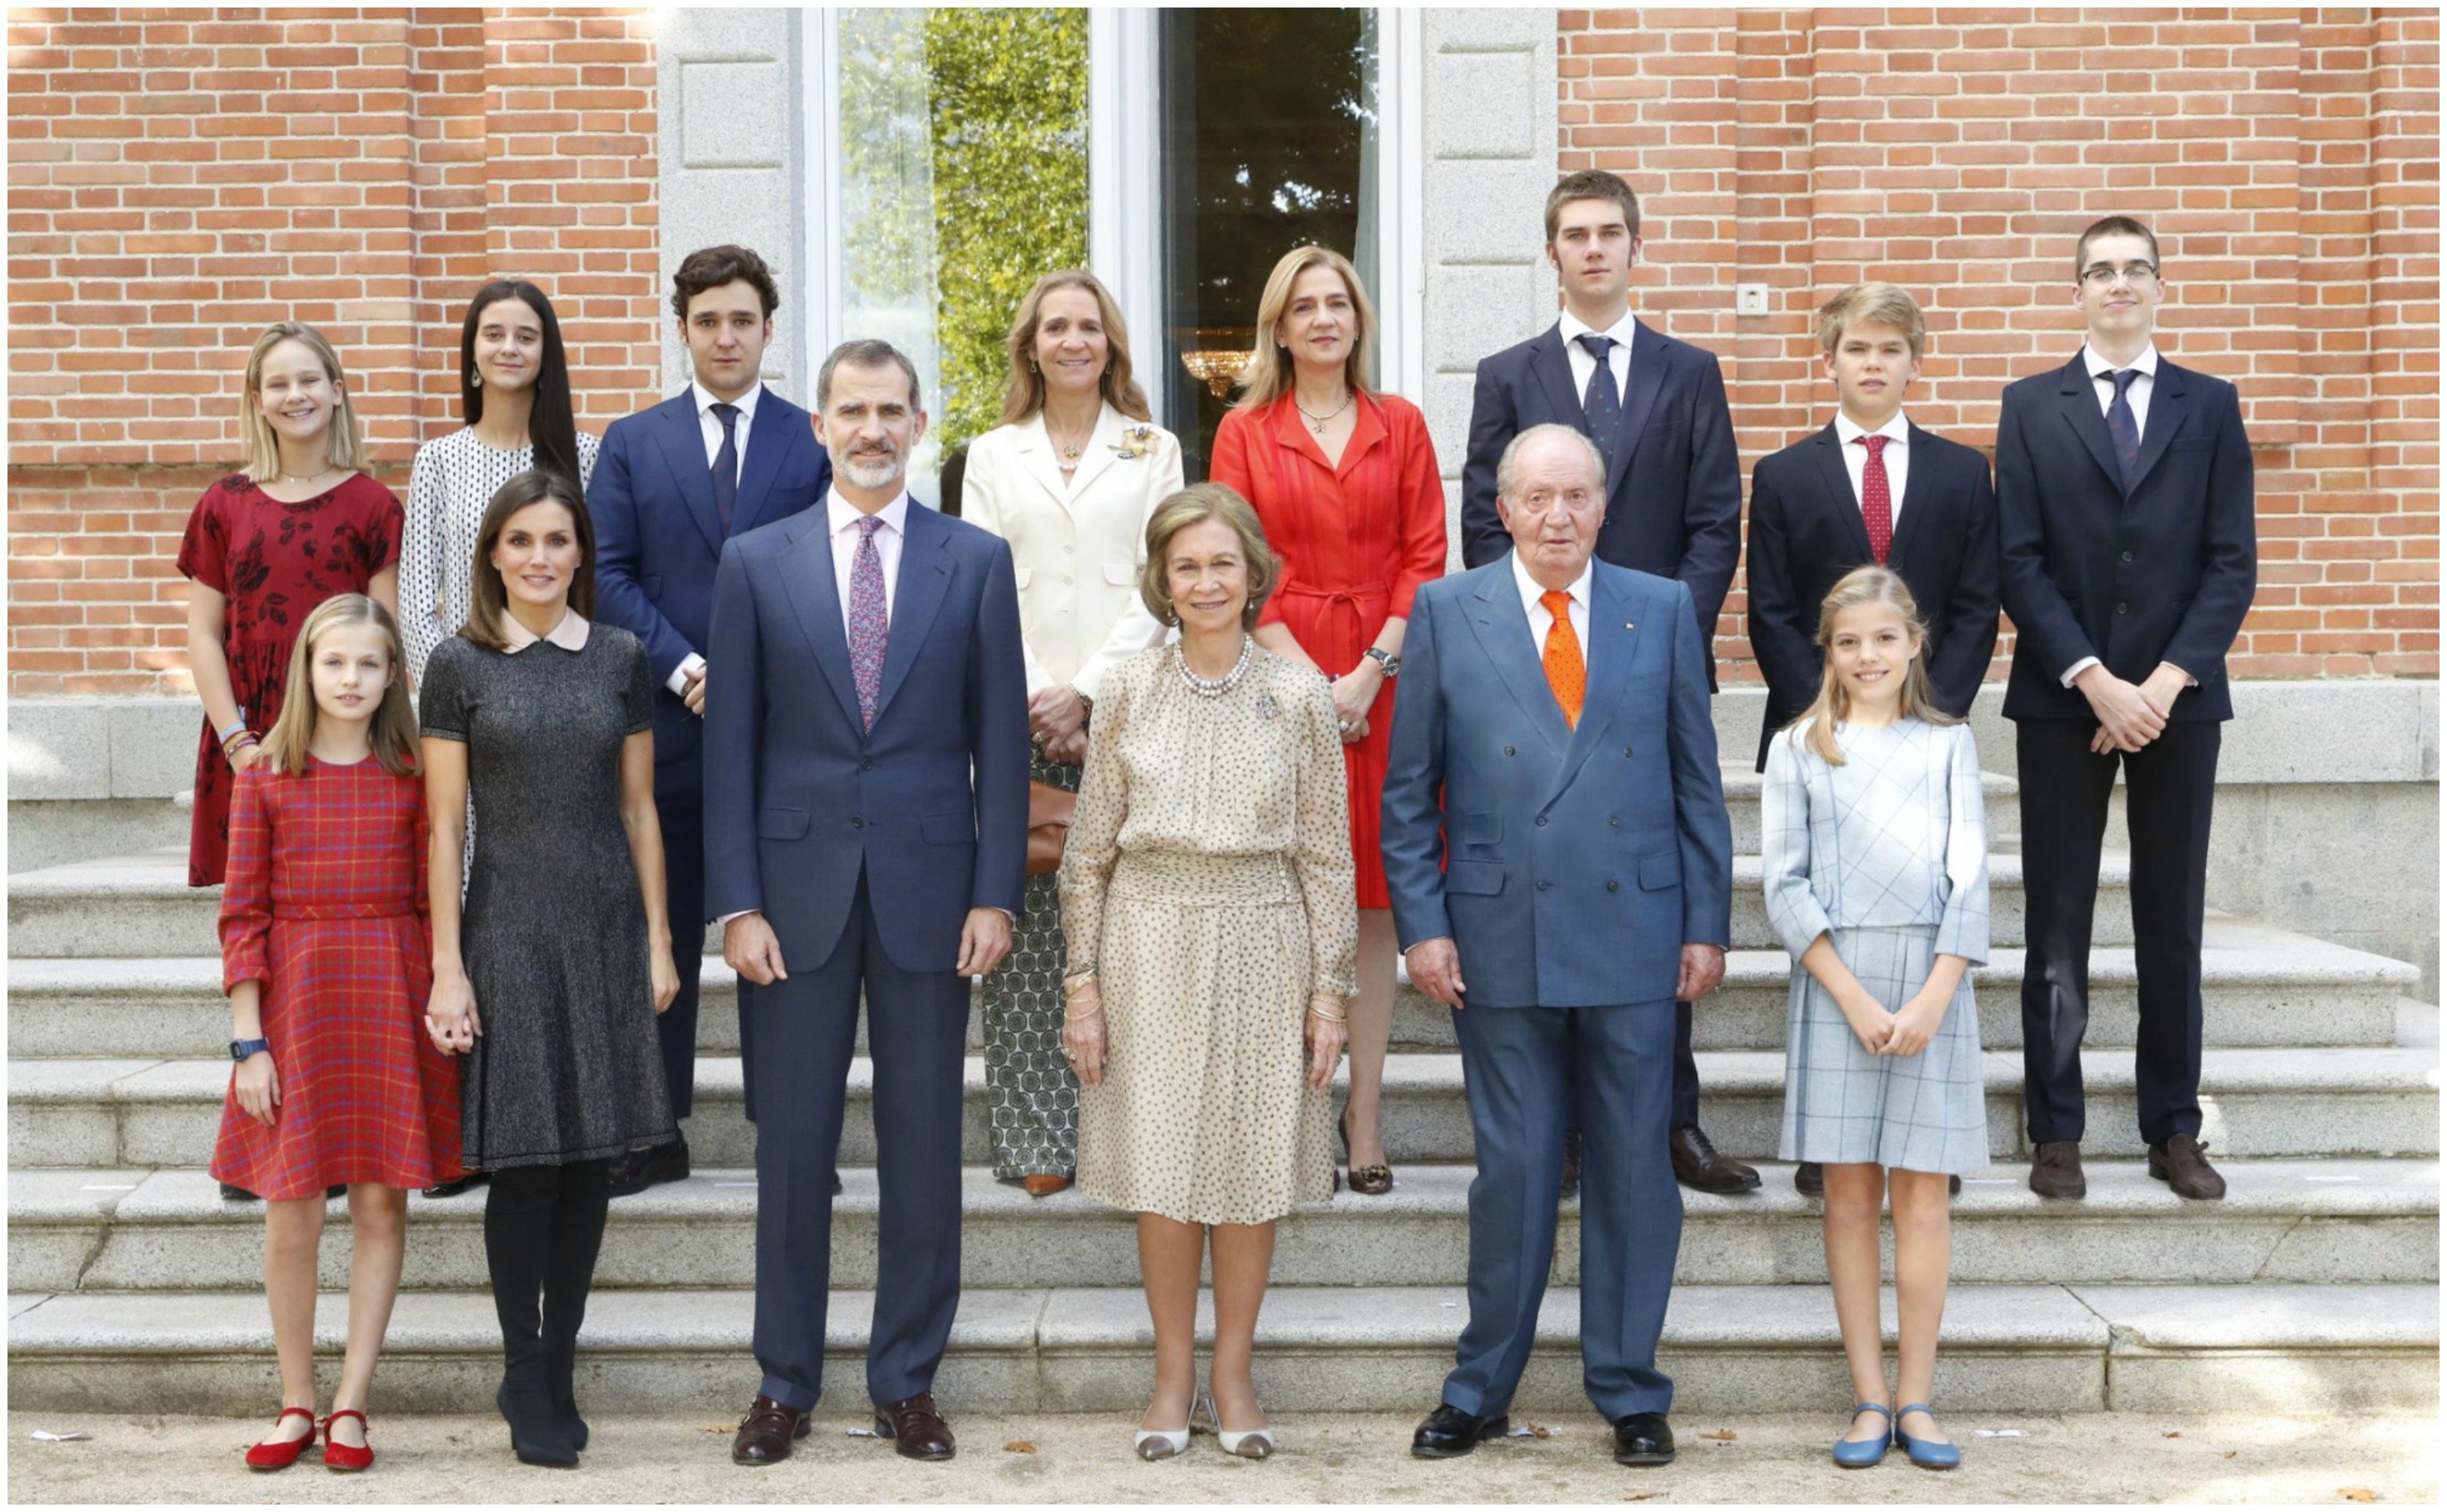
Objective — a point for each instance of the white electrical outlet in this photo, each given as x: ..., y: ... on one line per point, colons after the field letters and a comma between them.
x: 1750, y: 299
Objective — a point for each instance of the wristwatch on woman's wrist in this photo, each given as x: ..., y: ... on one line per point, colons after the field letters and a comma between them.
x: 240, y: 1049
x: 1385, y: 660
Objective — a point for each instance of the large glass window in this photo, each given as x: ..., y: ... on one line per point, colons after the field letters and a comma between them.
x: 1269, y: 140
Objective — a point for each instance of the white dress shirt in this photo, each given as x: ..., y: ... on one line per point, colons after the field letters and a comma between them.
x: 840, y: 523
x: 1897, y: 456
x: 2137, y: 396
x: 709, y: 426
x: 1541, y: 621
x: 1585, y: 366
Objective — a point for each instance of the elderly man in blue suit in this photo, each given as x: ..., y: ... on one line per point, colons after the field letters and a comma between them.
x: 1561, y: 871
x: 866, y: 829
x: 674, y: 483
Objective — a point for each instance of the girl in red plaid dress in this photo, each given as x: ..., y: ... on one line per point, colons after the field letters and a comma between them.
x: 327, y: 959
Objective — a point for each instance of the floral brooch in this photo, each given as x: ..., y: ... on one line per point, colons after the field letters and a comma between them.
x: 1136, y: 442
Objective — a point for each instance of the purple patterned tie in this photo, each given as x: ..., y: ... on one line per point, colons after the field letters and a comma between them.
x: 868, y: 625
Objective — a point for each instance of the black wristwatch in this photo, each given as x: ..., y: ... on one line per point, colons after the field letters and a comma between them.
x: 1391, y: 663
x: 240, y: 1049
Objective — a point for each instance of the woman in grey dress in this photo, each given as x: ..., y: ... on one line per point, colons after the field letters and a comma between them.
x: 550, y: 984
x: 1876, y: 869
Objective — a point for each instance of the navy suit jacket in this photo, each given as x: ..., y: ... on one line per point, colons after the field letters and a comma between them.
x: 1674, y: 488
x: 657, y: 539
x: 1807, y: 532
x: 2163, y: 570
x: 931, y: 803
x: 1568, y: 865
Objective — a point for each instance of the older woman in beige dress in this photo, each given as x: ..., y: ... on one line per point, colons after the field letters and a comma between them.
x: 1206, y: 894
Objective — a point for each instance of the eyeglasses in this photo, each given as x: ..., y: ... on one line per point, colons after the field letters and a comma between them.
x: 2102, y: 276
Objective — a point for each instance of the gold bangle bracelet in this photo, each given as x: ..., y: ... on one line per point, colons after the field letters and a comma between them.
x: 1082, y: 1018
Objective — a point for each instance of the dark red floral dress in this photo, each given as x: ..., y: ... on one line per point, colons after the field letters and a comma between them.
x: 274, y: 562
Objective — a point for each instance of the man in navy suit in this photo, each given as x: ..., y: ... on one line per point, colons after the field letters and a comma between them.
x: 2124, y: 487
x: 1561, y: 873
x: 1870, y: 487
x: 1655, y: 409
x: 674, y: 483
x: 866, y: 829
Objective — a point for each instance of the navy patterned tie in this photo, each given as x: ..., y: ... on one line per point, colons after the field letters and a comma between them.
x: 1602, y: 404
x: 726, y: 464
x: 2122, y: 426
x: 868, y: 625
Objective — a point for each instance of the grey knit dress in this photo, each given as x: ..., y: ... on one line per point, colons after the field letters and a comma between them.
x: 568, y: 1067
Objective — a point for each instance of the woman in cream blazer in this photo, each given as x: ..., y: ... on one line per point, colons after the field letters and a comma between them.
x: 1069, y: 479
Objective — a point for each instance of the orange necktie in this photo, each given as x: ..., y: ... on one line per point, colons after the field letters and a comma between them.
x: 1566, y: 672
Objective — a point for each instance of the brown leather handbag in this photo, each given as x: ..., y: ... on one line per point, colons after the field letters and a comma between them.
x: 1049, y: 812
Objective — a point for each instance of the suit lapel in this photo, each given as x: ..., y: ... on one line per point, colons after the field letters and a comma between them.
x: 1037, y: 457
x: 1827, y: 449
x: 1920, y: 487
x: 1647, y: 381
x: 2168, y: 409
x: 1554, y: 369
x: 925, y: 573
x: 1503, y: 630
x: 2077, y: 401
x: 778, y: 430
x: 807, y: 577
x: 1608, y: 657
x: 682, y: 440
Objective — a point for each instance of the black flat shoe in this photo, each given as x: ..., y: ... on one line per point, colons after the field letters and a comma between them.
x: 640, y: 1169
x: 444, y: 1189
x: 1450, y: 1432
x: 1643, y: 1438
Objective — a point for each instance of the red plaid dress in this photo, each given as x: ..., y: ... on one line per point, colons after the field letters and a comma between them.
x: 325, y: 903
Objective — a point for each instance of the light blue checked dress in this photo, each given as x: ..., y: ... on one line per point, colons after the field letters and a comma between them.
x: 1888, y: 854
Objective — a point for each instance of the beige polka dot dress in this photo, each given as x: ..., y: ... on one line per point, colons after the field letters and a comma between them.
x: 1208, y: 875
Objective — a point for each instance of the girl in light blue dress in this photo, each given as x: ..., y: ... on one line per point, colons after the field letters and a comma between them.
x: 1876, y: 865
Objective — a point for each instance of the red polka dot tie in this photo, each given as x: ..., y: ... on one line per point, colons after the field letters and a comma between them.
x: 1877, y: 506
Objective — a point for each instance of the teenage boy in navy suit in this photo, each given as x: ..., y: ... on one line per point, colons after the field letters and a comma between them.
x: 674, y: 482
x: 2124, y: 491
x: 1656, y: 407
x: 1870, y: 487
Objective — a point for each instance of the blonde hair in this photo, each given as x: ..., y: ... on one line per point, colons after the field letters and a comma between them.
x: 1880, y: 304
x: 393, y: 731
x: 1202, y: 501
x: 1267, y: 375
x: 345, y: 440
x: 1023, y: 394
x: 1866, y: 585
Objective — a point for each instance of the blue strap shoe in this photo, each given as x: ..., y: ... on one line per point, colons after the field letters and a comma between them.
x: 1927, y: 1453
x: 1859, y: 1454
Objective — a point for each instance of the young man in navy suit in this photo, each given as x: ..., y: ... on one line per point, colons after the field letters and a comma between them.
x: 1870, y: 487
x: 674, y: 482
x: 1656, y: 407
x: 2124, y: 490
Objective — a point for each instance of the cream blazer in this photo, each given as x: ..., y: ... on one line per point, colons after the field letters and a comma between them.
x: 1076, y: 548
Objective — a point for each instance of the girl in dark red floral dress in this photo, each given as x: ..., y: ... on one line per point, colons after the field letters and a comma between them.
x: 326, y: 958
x: 264, y: 547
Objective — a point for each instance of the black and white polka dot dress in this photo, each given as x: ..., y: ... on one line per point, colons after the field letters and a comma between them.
x: 451, y: 482
x: 1208, y: 875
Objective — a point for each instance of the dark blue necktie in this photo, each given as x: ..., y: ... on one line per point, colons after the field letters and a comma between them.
x: 2125, y: 430
x: 1602, y: 404
x: 726, y: 464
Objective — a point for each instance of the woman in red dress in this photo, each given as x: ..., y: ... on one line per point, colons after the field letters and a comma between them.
x: 263, y: 547
x: 1346, y: 483
x: 327, y: 958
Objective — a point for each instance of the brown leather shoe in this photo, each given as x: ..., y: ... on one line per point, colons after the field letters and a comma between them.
x: 766, y: 1433
x: 2056, y: 1169
x: 916, y: 1429
x: 2182, y: 1162
x: 1699, y: 1166
x: 1043, y: 1185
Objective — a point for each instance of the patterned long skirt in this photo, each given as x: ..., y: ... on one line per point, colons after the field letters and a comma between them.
x: 1032, y: 1097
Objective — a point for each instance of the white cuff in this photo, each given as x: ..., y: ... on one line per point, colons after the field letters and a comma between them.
x: 742, y: 914
x: 677, y: 682
x: 2078, y: 668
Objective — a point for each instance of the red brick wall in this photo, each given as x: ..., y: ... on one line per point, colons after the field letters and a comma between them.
x: 2289, y: 161
x: 178, y: 178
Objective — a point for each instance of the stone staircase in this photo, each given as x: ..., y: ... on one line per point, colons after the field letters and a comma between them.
x: 2315, y: 1283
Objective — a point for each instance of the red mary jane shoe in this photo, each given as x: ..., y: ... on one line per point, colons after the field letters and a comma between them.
x: 339, y: 1456
x: 279, y: 1454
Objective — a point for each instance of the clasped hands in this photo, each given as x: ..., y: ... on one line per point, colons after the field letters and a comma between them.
x: 1434, y: 966
x: 1057, y: 722
x: 2130, y: 716
x: 1908, y: 1032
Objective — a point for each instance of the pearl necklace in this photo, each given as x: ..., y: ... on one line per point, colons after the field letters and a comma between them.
x: 1216, y: 687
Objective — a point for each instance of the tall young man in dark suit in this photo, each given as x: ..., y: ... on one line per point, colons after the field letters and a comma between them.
x: 2124, y: 488
x: 673, y: 484
x: 1656, y: 407
x: 1870, y: 487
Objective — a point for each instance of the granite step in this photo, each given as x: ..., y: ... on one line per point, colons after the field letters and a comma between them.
x: 2260, y: 987
x: 2257, y: 1102
x: 2294, y: 1348
x: 2326, y: 1221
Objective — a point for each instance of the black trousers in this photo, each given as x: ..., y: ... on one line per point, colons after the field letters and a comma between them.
x: 2170, y: 785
